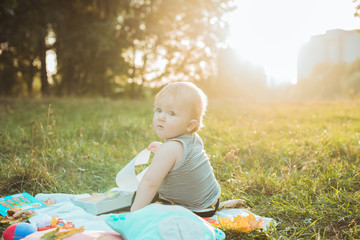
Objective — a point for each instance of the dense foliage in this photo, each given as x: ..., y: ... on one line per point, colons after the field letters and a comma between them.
x: 103, y: 45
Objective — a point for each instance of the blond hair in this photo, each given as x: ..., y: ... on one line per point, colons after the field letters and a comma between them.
x: 191, y: 94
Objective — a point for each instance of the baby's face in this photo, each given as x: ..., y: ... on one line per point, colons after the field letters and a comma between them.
x: 171, y: 117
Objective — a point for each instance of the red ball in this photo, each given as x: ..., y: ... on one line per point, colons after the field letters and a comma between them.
x: 18, y: 231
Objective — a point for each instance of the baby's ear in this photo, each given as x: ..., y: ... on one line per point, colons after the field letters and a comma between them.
x: 193, y: 124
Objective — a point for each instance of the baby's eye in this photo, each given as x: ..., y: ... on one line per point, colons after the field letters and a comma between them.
x: 171, y: 113
x: 158, y: 110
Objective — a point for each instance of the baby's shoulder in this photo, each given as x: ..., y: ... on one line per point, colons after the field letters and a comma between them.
x: 172, y: 148
x: 172, y: 145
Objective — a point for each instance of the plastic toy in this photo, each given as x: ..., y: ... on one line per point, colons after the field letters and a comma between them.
x: 18, y: 231
x: 57, y: 223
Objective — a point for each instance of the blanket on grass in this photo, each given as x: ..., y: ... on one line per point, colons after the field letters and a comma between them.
x: 65, y: 209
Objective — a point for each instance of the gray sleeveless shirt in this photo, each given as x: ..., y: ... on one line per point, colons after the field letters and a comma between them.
x: 191, y: 182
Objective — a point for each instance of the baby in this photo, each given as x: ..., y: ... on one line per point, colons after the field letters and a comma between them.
x: 180, y: 172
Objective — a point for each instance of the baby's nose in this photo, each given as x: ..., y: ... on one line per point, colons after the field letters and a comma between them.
x: 162, y: 117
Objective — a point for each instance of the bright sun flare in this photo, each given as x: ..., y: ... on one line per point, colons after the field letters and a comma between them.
x: 269, y: 33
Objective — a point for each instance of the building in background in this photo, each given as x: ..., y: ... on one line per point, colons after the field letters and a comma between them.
x: 333, y: 46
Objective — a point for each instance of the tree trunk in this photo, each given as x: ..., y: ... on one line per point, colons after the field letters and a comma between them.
x: 43, y: 72
x: 71, y: 86
x: 133, y: 74
x: 29, y: 78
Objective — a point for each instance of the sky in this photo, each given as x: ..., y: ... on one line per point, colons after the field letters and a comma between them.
x: 269, y: 33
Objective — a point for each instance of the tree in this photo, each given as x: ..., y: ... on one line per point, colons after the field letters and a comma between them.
x: 8, y: 70
x: 24, y: 30
x: 350, y: 84
x: 173, y: 40
x: 102, y: 44
x: 330, y: 80
x: 87, y: 47
x: 357, y: 8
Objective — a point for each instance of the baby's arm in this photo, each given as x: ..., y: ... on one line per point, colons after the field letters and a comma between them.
x: 165, y: 158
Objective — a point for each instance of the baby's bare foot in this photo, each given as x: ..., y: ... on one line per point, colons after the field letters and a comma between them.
x: 234, y: 203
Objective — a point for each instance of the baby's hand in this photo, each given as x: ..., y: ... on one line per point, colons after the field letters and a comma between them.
x: 154, y: 146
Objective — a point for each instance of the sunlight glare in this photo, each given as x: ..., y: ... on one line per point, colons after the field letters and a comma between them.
x: 51, y: 62
x: 269, y: 33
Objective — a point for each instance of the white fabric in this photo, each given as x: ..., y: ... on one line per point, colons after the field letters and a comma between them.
x: 66, y: 210
x: 126, y: 179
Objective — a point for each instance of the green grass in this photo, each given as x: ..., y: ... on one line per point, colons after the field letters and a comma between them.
x: 295, y: 162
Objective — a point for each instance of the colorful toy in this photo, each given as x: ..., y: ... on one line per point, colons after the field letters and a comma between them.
x: 23, y: 201
x: 56, y: 223
x: 18, y: 231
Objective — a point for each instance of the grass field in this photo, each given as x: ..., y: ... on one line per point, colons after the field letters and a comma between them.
x: 298, y: 163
